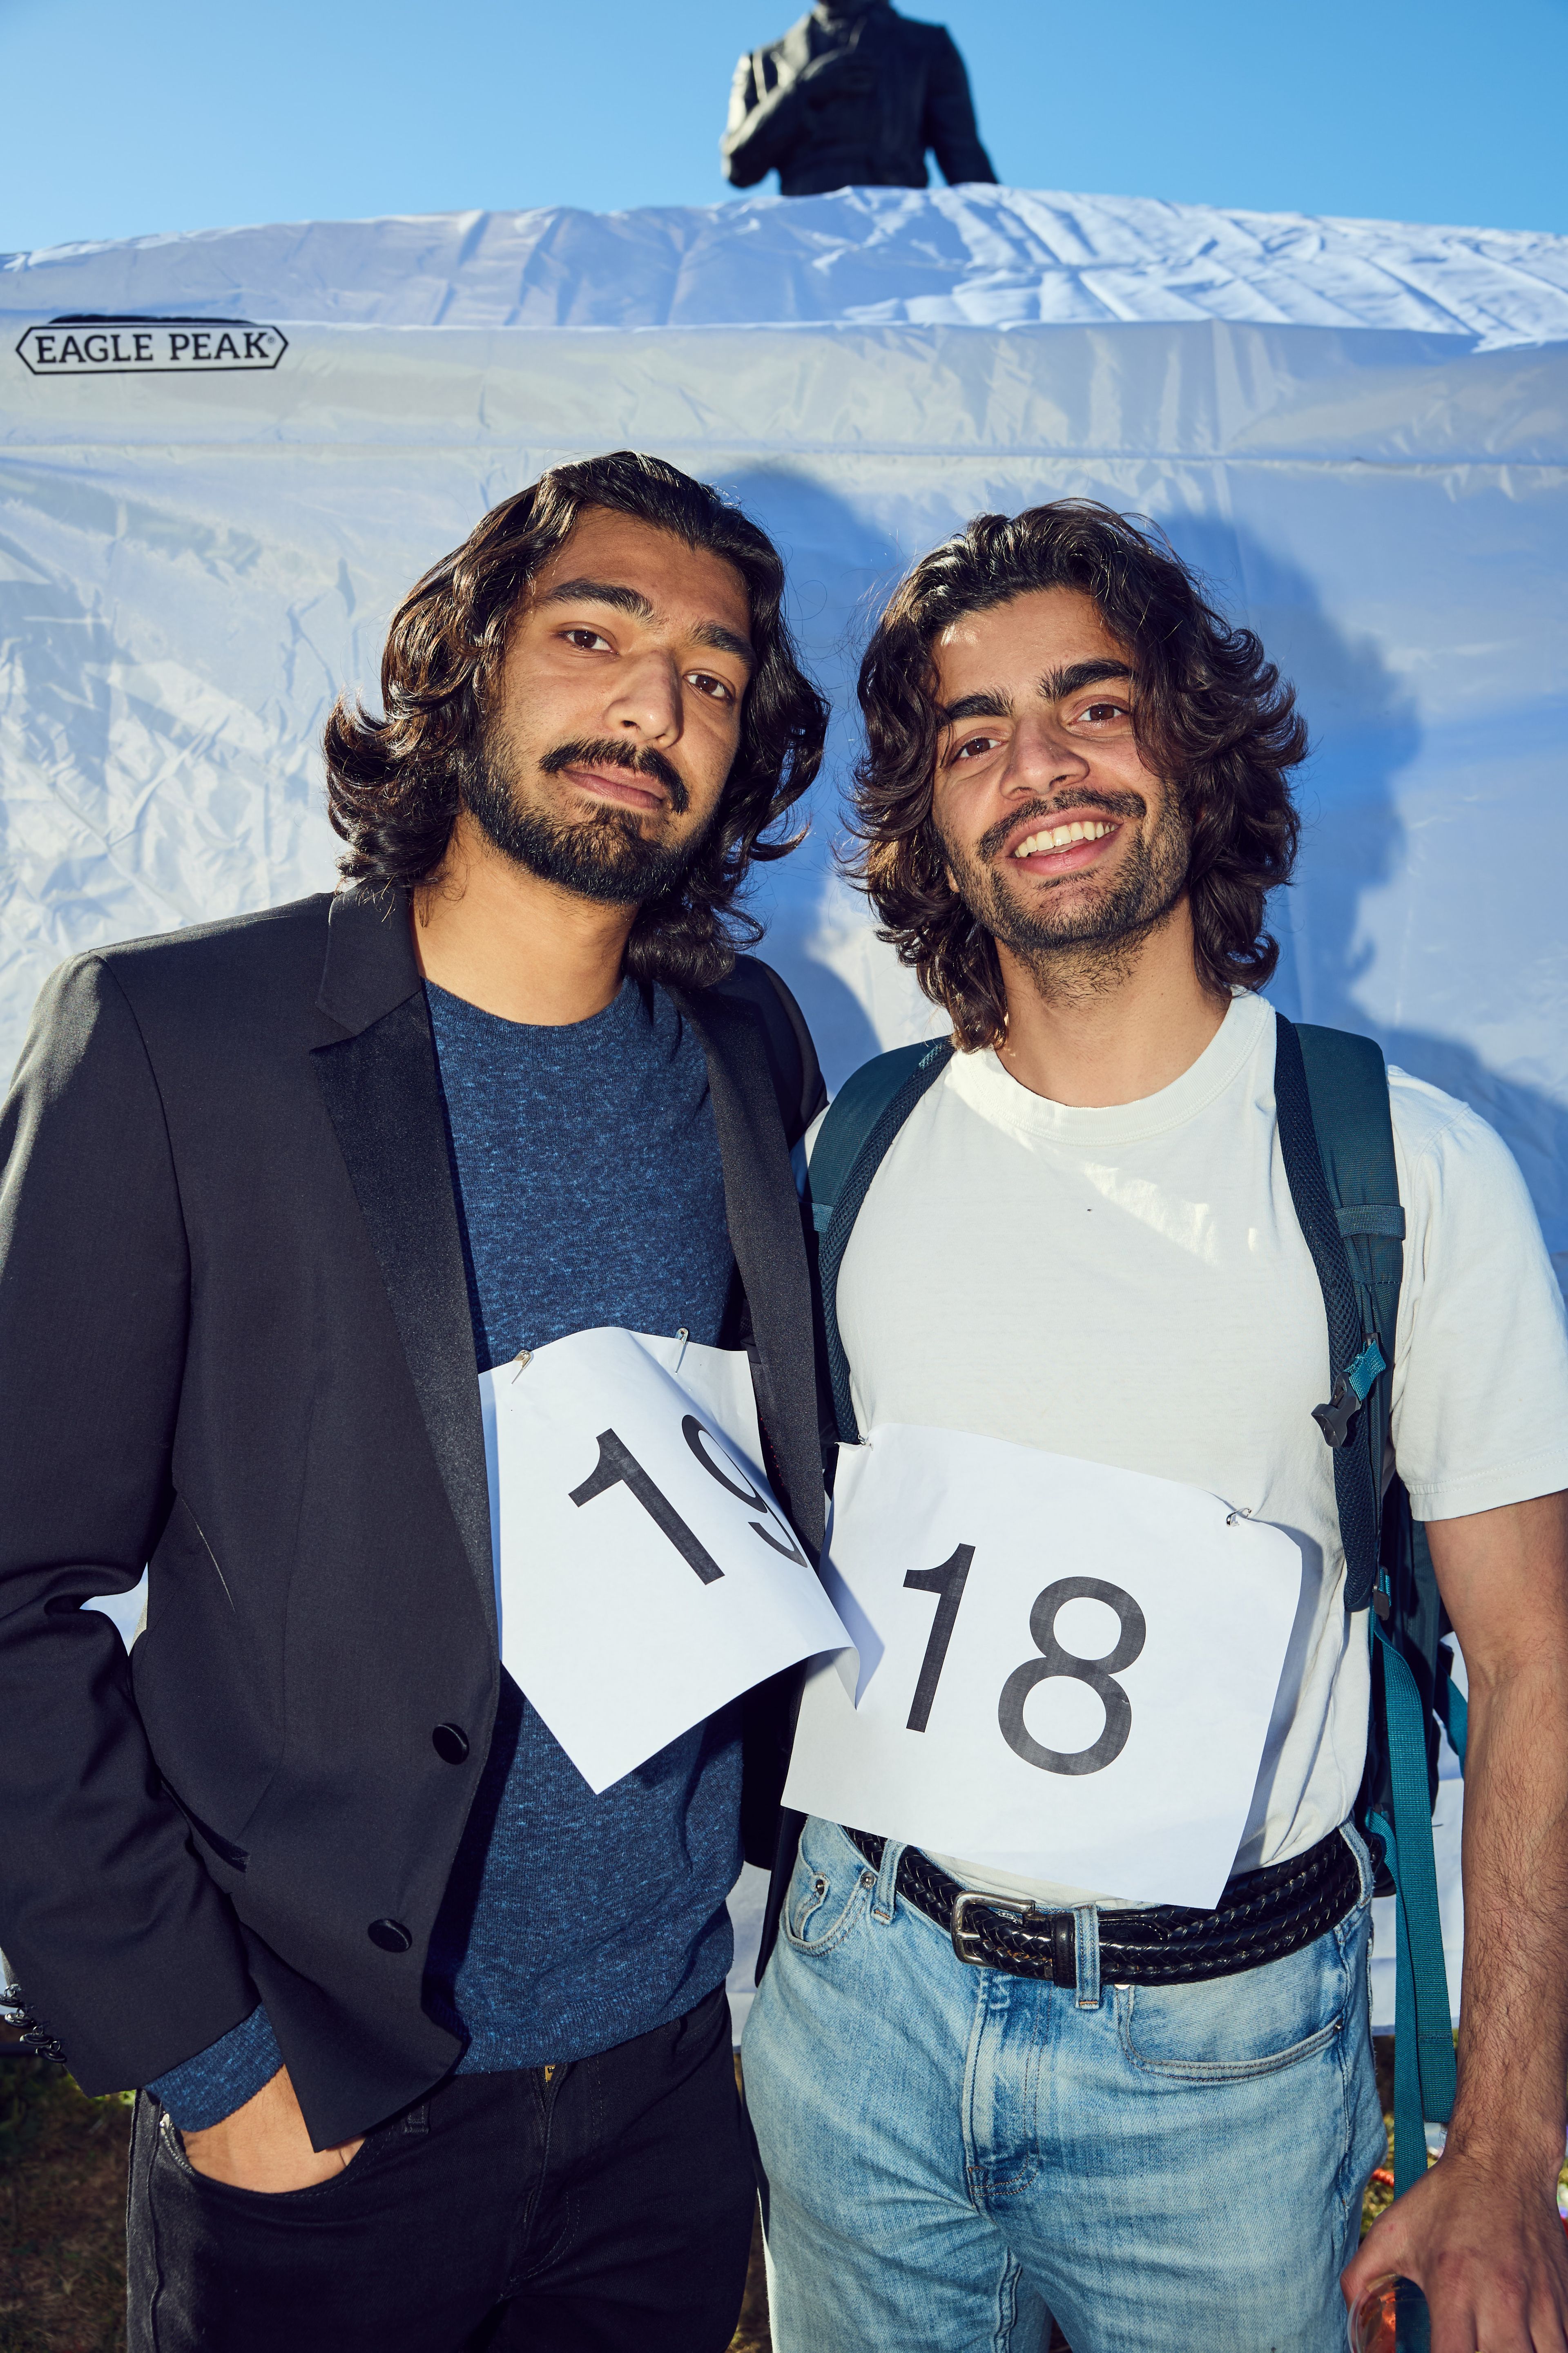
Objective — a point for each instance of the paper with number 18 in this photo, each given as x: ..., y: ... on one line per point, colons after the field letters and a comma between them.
x: 1062, y: 1670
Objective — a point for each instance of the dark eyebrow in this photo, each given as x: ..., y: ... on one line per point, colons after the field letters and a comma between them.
x: 1058, y: 684
x: 724, y: 641
x: 632, y: 602
x: 993, y: 704
x: 600, y: 591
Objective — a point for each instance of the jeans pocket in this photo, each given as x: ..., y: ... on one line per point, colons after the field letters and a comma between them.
x: 1228, y: 2029
x: 824, y: 1903
x: 172, y: 2146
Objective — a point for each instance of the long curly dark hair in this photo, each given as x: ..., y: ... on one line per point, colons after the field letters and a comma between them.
x: 395, y: 783
x: 1211, y: 716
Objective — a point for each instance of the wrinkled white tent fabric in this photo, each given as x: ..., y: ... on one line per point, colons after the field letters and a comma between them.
x: 1359, y: 430
x: 974, y: 256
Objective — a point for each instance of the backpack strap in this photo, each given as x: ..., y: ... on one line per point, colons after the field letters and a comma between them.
x: 851, y: 1144
x: 1336, y: 1136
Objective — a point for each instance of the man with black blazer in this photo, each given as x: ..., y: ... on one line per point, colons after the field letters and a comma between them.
x: 437, y: 2038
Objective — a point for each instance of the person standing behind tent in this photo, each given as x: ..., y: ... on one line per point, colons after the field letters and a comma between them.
x: 437, y: 2038
x: 978, y: 2094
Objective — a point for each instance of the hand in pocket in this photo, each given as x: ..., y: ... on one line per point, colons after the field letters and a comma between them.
x: 264, y: 2145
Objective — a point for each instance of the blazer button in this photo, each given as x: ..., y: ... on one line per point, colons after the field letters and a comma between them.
x: 451, y: 1742
x: 390, y: 1935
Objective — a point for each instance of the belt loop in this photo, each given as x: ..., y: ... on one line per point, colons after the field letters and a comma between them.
x: 884, y: 1898
x: 1085, y: 1938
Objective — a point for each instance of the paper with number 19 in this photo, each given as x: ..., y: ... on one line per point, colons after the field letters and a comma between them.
x: 645, y: 1574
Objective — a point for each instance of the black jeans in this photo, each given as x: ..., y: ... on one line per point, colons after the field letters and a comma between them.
x: 607, y: 2210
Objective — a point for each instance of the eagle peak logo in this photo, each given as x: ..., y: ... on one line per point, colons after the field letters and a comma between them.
x: 90, y: 345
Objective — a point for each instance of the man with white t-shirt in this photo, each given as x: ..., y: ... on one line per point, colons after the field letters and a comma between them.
x: 1082, y: 1240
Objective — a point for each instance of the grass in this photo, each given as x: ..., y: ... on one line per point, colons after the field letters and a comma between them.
x: 62, y: 2213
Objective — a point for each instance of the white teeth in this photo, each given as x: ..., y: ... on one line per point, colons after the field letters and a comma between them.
x: 1062, y: 837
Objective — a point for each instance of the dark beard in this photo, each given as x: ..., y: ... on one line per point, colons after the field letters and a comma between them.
x: 1094, y: 940
x: 603, y: 856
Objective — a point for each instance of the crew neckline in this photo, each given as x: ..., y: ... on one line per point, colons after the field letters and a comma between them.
x: 984, y: 1082
x: 610, y: 1019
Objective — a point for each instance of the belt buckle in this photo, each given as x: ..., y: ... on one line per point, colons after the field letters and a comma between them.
x: 962, y: 1936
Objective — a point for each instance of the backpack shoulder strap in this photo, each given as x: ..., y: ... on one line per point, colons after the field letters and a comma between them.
x: 851, y: 1144
x: 1336, y: 1136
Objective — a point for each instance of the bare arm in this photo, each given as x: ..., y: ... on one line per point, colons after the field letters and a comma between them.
x: 1481, y: 2234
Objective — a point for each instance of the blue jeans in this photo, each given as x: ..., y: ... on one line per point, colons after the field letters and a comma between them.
x: 952, y: 2155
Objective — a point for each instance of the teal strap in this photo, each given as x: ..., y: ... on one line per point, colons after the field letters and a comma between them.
x: 1425, y: 2028
x: 1366, y: 1369
x: 1373, y: 1218
x: 1456, y: 1717
x: 865, y: 1117
x: 852, y: 1114
x: 1409, y: 2125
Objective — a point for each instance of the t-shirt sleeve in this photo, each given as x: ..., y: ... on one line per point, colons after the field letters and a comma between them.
x: 1479, y: 1412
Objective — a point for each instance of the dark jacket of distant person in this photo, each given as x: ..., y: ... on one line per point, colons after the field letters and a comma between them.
x: 853, y: 97
x: 235, y: 1332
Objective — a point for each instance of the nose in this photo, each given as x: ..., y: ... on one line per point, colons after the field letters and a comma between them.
x: 646, y: 699
x: 1045, y: 758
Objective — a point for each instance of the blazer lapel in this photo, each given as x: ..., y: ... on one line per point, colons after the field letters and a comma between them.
x: 768, y: 1240
x: 382, y: 1096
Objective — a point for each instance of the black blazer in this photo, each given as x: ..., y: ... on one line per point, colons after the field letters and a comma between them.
x: 235, y: 1345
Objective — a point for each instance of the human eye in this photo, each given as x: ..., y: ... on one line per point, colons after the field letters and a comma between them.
x: 1104, y: 714
x: 716, y: 689
x: 971, y: 748
x: 587, y: 640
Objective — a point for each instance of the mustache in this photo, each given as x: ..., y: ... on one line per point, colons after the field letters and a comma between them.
x: 606, y: 752
x: 1110, y: 805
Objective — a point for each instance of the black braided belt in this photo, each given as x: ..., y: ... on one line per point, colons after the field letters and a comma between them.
x: 1261, y: 1916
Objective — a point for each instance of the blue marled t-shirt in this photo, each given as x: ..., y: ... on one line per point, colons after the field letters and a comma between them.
x: 591, y: 1192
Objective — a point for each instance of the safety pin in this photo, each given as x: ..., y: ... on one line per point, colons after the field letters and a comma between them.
x: 523, y: 1358
x: 682, y: 1335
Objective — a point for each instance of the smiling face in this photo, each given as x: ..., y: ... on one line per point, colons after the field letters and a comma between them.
x: 1057, y: 838
x: 617, y: 716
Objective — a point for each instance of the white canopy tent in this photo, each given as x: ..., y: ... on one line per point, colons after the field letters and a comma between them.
x: 1359, y: 430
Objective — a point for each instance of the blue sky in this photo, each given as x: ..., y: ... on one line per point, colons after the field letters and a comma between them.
x: 167, y: 114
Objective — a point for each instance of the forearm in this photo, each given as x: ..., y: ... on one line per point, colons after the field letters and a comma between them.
x: 1513, y: 2037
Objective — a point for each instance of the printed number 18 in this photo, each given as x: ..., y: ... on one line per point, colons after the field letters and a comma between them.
x: 948, y: 1582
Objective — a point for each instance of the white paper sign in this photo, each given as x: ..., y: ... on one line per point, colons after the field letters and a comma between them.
x: 1065, y: 1671
x: 645, y: 1574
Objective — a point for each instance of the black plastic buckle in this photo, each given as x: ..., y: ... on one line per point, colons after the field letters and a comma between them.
x: 1351, y: 1392
x: 1334, y: 1419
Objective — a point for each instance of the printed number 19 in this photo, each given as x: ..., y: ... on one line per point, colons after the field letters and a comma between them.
x: 617, y: 1466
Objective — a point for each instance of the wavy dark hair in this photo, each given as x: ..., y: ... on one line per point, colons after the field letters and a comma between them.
x: 394, y: 784
x: 1211, y: 714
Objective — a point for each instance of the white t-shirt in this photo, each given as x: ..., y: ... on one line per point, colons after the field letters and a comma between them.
x: 1131, y: 1286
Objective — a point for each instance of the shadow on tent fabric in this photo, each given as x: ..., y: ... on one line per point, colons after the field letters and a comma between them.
x: 1365, y: 735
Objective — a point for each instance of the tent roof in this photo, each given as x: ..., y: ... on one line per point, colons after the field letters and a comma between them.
x: 972, y: 255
